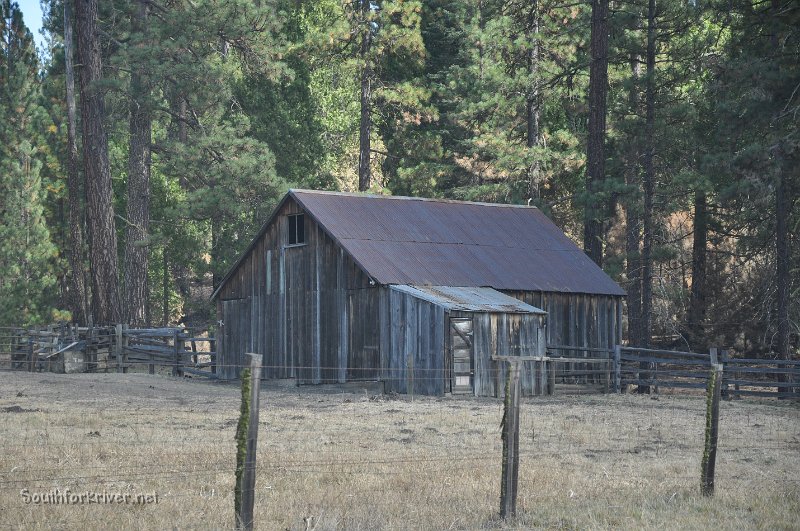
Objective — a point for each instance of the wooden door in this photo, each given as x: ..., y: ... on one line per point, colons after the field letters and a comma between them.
x: 461, y: 351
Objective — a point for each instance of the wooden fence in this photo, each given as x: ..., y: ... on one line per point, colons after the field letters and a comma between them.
x: 68, y: 349
x: 64, y: 348
x: 654, y: 369
x: 582, y: 365
x: 651, y: 370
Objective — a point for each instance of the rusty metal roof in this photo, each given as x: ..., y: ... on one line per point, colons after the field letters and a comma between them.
x: 469, y: 299
x: 433, y: 242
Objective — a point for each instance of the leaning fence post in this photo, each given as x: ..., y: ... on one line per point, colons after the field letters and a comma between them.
x: 618, y: 368
x: 246, y: 439
x: 510, y: 435
x: 712, y: 430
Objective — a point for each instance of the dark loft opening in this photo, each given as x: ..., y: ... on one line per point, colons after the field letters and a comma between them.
x: 297, y: 229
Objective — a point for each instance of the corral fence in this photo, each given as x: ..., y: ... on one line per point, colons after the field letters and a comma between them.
x: 651, y: 370
x: 65, y: 349
x: 655, y: 369
x: 68, y: 349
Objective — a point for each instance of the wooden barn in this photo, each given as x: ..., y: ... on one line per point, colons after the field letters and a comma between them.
x: 418, y: 293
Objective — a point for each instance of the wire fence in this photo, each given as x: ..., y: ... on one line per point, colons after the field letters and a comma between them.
x: 336, y: 457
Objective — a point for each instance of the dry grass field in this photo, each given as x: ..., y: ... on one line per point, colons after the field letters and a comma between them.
x: 334, y: 458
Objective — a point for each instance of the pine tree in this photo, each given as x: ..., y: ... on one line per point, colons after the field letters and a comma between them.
x: 139, y: 166
x: 26, y: 252
x: 99, y: 200
x: 756, y: 106
x: 378, y: 53
x: 595, y: 147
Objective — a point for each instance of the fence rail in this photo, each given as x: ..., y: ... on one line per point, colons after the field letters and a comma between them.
x: 66, y: 349
x: 651, y: 368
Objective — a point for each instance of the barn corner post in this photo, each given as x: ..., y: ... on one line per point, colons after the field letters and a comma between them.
x: 711, y: 429
x: 510, y: 436
x: 246, y: 442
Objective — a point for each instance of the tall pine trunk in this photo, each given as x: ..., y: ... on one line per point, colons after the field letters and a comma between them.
x: 633, y: 222
x: 595, y: 152
x: 697, y: 301
x: 533, y: 100
x: 78, y: 299
x: 99, y: 200
x: 138, y: 193
x: 365, y: 127
x: 649, y: 178
x: 783, y: 206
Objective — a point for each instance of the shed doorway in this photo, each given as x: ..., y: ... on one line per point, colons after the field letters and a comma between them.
x: 461, y: 351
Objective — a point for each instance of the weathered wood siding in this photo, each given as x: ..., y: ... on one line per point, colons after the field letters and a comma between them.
x: 300, y: 307
x: 312, y: 314
x: 504, y: 334
x: 578, y: 319
x: 414, y: 333
x: 418, y: 346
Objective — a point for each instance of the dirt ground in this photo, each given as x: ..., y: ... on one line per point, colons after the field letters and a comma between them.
x: 351, y: 458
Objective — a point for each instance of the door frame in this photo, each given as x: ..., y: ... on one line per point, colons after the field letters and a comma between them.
x: 469, y: 340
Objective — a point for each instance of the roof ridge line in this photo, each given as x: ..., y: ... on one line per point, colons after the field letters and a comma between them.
x: 410, y: 198
x: 462, y: 243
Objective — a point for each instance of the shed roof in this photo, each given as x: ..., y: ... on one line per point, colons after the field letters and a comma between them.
x: 469, y: 299
x: 439, y: 242
x: 415, y: 241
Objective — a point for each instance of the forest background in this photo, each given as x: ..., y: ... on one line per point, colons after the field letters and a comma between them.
x: 146, y: 141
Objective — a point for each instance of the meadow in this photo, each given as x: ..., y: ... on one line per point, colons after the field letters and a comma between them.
x: 349, y: 457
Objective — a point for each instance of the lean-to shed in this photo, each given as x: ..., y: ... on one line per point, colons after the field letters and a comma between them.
x: 339, y: 287
x: 441, y: 330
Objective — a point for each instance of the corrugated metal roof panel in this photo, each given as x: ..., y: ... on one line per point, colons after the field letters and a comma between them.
x: 415, y: 241
x: 469, y: 299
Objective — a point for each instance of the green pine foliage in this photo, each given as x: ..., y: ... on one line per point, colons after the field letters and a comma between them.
x: 482, y: 101
x: 26, y: 251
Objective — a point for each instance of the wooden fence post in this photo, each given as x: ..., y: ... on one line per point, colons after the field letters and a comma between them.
x: 91, y: 348
x: 724, y: 360
x: 618, y: 368
x: 31, y: 354
x: 151, y: 369
x: 246, y: 440
x: 118, y: 346
x: 643, y: 387
x: 124, y: 349
x: 411, y: 375
x: 213, y: 346
x: 712, y: 430
x: 178, y: 346
x: 543, y: 377
x: 510, y: 435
